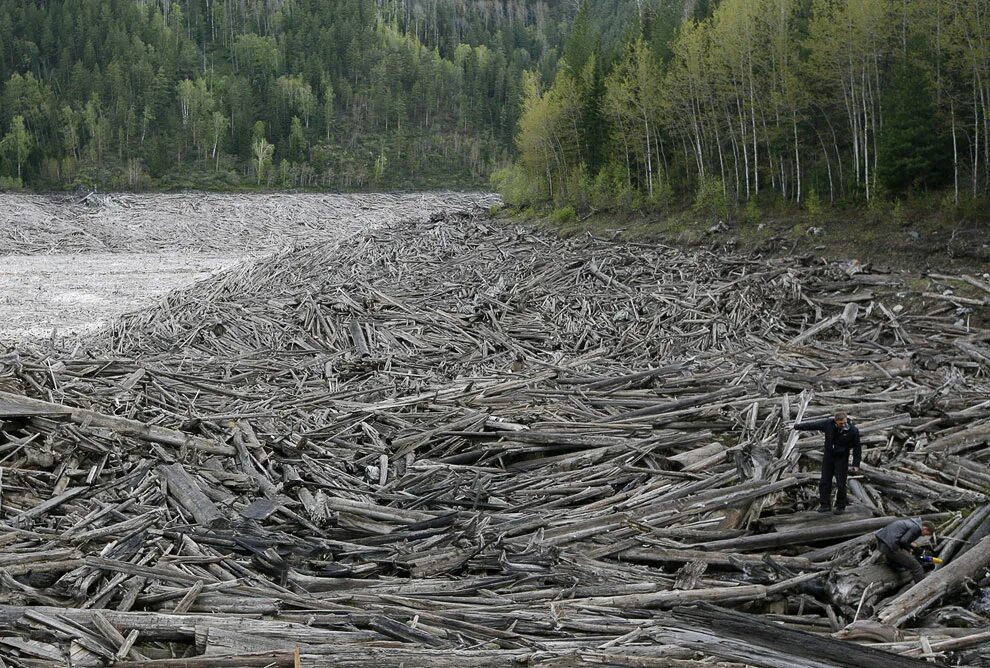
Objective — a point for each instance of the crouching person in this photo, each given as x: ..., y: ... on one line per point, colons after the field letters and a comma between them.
x: 894, y: 543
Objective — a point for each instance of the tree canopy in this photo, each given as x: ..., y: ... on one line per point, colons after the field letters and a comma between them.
x: 129, y: 93
x: 769, y: 100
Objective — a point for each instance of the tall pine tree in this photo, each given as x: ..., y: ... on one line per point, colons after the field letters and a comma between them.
x: 914, y: 150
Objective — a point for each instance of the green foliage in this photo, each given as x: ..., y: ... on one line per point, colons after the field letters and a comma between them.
x: 914, y: 151
x: 515, y: 186
x: 580, y: 44
x: 563, y: 215
x: 710, y: 198
x: 261, y: 150
x: 611, y: 188
x: 813, y: 205
x: 297, y: 140
x: 17, y: 143
x: 752, y: 213
x: 577, y: 188
x: 775, y: 99
x: 101, y: 84
x: 381, y: 163
x: 766, y: 95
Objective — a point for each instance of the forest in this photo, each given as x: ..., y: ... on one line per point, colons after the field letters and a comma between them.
x: 338, y: 94
x: 744, y: 104
x: 630, y: 104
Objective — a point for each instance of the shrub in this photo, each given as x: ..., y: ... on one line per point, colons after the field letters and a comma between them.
x: 752, y: 213
x: 563, y: 215
x: 663, y: 194
x: 578, y: 189
x: 813, y: 205
x: 710, y: 198
x: 900, y: 213
x: 516, y: 187
x: 611, y: 187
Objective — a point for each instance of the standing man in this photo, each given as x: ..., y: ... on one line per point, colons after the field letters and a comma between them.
x: 841, y: 436
x: 894, y: 542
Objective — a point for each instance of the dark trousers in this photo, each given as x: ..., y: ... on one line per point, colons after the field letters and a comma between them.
x: 902, y: 560
x: 835, y: 465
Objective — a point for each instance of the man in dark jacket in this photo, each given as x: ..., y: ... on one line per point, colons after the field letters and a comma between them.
x: 841, y: 437
x: 894, y: 542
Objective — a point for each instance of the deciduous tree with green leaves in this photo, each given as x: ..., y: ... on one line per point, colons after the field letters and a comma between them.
x: 17, y: 143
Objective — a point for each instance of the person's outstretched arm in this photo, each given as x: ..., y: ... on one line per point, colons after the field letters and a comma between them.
x: 813, y: 425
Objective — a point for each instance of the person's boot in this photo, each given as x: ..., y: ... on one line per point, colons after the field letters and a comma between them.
x: 839, y: 510
x: 824, y: 509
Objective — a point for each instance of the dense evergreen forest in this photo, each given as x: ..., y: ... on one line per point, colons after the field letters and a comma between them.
x: 743, y: 103
x: 603, y: 104
x: 342, y: 94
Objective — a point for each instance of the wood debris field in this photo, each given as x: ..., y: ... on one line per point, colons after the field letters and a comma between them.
x: 70, y: 264
x: 447, y: 441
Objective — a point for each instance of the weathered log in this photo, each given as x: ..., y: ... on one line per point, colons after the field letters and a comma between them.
x: 857, y: 590
x: 508, y: 433
x: 806, y: 535
x: 672, y: 598
x: 190, y: 496
x: 182, y: 627
x: 263, y: 660
x: 747, y: 638
x: 663, y: 555
x: 124, y: 426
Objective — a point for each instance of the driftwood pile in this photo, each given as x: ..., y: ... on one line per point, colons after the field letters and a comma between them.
x: 449, y: 443
x: 203, y: 222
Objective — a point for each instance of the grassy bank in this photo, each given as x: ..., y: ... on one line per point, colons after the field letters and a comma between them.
x: 923, y: 236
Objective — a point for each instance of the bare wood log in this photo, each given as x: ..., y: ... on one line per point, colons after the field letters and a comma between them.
x: 816, y: 329
x: 961, y: 440
x: 747, y: 638
x: 959, y: 538
x: 675, y: 597
x: 147, y: 432
x: 262, y: 660
x: 662, y: 555
x: 188, y: 493
x: 858, y: 589
x: 943, y: 581
x: 517, y: 439
x: 806, y: 535
x: 182, y: 627
x: 688, y: 460
x: 358, y: 339
x: 956, y: 299
x: 45, y: 506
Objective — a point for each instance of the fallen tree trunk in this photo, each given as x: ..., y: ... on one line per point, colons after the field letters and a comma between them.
x: 263, y: 660
x: 124, y: 426
x: 747, y: 638
x: 857, y: 590
x: 806, y: 535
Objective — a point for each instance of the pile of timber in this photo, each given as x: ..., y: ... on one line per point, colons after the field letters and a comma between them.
x: 204, y: 222
x: 452, y: 443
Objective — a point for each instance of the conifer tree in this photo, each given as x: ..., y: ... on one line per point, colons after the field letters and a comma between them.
x: 914, y: 151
